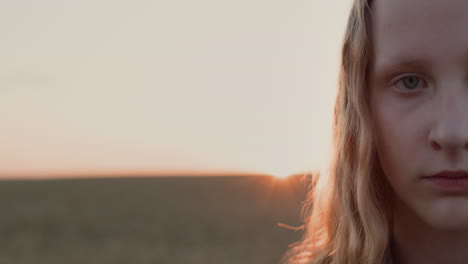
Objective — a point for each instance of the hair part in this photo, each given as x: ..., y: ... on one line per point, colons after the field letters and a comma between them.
x: 347, y: 212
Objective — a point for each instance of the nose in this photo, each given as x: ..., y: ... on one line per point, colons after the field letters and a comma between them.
x: 450, y: 128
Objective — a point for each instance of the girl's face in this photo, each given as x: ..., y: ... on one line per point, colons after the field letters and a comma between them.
x: 419, y: 100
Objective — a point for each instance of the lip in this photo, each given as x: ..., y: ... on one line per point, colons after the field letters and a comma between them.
x: 450, y: 174
x: 450, y: 181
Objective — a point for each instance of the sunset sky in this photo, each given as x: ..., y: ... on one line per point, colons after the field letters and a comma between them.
x: 158, y: 87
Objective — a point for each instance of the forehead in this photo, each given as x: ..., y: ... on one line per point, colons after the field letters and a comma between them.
x: 429, y: 30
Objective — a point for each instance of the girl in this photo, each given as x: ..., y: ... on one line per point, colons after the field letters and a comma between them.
x: 397, y: 187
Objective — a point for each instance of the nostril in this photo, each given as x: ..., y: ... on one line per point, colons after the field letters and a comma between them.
x: 436, y: 146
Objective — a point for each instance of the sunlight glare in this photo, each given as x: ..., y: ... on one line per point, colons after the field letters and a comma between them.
x: 280, y: 173
x: 280, y: 176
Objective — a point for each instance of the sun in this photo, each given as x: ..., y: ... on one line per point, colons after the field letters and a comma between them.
x: 280, y: 173
x: 278, y: 170
x: 280, y: 176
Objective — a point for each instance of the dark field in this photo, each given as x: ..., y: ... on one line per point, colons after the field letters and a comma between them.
x: 149, y: 220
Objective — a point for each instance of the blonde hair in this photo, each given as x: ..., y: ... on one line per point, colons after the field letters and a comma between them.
x: 347, y: 212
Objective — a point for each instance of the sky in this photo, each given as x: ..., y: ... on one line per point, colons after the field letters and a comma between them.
x: 167, y: 87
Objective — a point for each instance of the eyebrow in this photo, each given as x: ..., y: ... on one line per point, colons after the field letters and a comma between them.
x: 399, y: 64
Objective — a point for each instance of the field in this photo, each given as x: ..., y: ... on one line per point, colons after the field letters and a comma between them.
x: 202, y: 220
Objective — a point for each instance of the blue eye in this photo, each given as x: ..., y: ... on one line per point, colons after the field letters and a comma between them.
x: 409, y: 83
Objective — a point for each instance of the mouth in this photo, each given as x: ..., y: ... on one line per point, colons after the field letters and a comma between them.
x: 450, y: 174
x: 450, y: 181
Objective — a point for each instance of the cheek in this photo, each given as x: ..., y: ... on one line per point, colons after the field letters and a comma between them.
x: 392, y: 157
x: 397, y: 143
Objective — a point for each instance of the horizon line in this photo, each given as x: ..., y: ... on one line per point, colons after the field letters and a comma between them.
x: 136, y: 174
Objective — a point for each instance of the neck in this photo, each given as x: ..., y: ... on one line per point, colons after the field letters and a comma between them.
x: 414, y: 241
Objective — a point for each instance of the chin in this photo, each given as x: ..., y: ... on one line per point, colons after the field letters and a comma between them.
x: 449, y: 214
x: 450, y: 225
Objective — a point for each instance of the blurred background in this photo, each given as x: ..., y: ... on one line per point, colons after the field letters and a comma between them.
x: 162, y: 131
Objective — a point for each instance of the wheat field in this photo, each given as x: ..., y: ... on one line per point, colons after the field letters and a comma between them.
x: 204, y: 220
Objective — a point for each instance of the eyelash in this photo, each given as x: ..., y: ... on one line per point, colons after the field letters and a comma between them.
x: 406, y: 90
